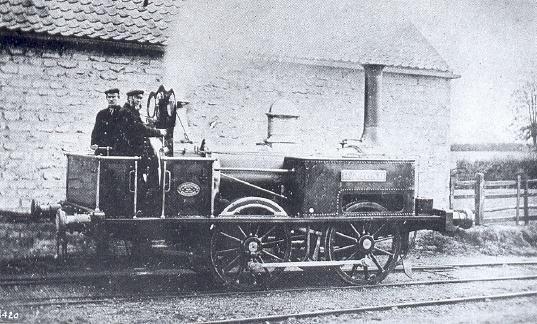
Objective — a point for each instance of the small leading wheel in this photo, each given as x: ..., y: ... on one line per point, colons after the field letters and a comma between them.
x: 374, y: 245
x: 234, y: 246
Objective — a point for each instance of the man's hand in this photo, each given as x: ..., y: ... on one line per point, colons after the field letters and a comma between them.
x: 162, y: 132
x: 94, y: 147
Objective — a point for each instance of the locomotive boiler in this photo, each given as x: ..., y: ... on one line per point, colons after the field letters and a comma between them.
x: 250, y: 215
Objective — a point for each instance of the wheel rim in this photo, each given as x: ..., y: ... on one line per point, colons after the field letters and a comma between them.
x: 233, y: 246
x: 376, y: 247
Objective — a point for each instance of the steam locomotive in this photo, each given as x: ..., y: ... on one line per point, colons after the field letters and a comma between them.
x: 250, y: 215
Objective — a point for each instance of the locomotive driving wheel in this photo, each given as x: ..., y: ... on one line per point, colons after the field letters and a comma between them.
x: 374, y: 245
x: 235, y: 246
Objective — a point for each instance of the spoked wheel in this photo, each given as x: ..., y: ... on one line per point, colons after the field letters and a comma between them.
x: 375, y: 245
x: 234, y: 246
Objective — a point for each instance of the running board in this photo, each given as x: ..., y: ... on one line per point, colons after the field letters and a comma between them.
x: 257, y: 266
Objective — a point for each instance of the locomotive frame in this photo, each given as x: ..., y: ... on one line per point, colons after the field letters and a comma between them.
x: 338, y: 213
x: 247, y: 216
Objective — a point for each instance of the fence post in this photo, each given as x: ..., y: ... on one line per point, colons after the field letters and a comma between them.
x: 518, y: 180
x: 479, y: 197
x: 526, y: 191
x: 452, y: 183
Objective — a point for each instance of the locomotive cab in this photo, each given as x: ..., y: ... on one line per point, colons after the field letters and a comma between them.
x: 102, y: 184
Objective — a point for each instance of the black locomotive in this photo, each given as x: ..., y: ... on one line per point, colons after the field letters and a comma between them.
x: 249, y: 216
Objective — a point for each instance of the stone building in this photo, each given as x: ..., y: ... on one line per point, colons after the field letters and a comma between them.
x: 56, y: 60
x: 58, y: 56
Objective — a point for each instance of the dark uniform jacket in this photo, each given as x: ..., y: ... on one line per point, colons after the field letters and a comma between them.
x: 107, y: 131
x: 134, y: 132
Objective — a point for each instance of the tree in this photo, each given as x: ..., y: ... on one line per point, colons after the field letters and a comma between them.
x: 525, y: 110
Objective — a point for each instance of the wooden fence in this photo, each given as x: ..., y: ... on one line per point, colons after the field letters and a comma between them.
x: 497, y: 194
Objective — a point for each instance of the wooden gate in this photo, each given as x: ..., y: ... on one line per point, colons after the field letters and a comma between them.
x: 495, y: 201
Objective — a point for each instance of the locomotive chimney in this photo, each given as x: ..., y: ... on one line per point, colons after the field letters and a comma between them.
x: 372, y: 102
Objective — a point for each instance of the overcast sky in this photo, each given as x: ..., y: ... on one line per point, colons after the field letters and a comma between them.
x: 492, y: 44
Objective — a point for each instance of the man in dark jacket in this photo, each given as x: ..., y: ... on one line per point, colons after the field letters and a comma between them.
x: 133, y: 129
x: 106, y: 140
x: 106, y: 134
x: 136, y: 143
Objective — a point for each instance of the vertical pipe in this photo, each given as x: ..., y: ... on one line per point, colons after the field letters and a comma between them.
x: 479, y: 197
x: 212, y: 188
x: 163, y: 190
x: 135, y: 188
x: 372, y: 102
x: 66, y: 179
x: 97, y: 194
x: 517, y: 215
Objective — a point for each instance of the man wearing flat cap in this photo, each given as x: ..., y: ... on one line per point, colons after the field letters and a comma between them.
x: 133, y: 129
x: 106, y: 134
x: 136, y: 143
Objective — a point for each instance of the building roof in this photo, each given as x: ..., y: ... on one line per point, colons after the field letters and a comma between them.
x: 118, y: 20
x: 346, y: 31
x: 332, y: 31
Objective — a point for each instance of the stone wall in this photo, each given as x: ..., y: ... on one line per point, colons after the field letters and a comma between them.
x: 49, y: 96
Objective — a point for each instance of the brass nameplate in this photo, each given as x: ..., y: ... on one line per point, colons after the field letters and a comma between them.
x: 363, y: 175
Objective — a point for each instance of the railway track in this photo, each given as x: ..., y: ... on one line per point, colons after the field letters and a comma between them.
x: 421, y: 303
x: 74, y: 300
x: 76, y: 277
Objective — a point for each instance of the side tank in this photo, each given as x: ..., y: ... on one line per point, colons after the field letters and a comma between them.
x: 328, y: 186
x: 241, y: 171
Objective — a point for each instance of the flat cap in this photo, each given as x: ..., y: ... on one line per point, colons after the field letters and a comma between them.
x: 135, y: 92
x: 113, y: 90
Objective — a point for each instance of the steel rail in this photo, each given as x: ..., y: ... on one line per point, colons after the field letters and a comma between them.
x: 382, y: 307
x: 471, y: 265
x: 80, y: 276
x: 85, y: 275
x: 73, y: 300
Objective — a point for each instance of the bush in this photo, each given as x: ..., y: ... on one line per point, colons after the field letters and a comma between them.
x: 496, y: 169
x: 497, y: 239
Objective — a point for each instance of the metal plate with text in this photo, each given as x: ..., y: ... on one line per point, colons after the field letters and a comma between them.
x: 363, y: 175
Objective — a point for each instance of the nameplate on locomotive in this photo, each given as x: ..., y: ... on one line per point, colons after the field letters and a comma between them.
x: 188, y: 189
x: 363, y: 175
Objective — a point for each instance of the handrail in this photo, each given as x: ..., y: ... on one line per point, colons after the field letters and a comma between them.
x: 255, y: 170
x: 102, y: 157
